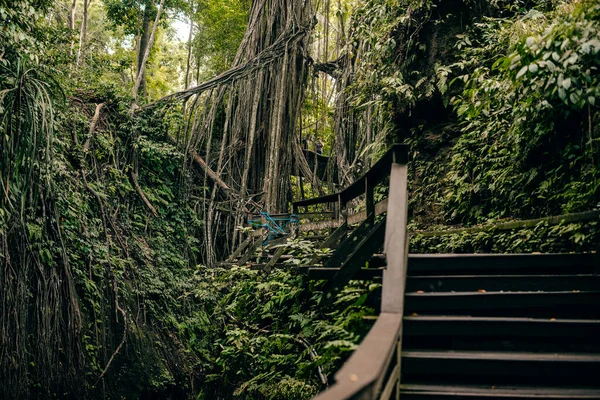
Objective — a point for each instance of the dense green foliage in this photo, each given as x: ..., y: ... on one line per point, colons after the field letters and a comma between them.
x: 528, y: 142
x: 224, y: 24
x: 110, y: 298
x: 498, y: 100
x: 272, y: 351
x: 573, y: 237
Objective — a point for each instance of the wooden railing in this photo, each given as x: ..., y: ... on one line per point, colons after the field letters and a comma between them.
x: 362, y: 186
x: 373, y: 370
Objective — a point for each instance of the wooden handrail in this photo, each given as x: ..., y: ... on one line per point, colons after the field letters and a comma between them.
x: 364, y: 370
x: 363, y: 375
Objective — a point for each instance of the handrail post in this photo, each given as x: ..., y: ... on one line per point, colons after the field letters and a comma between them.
x: 369, y: 198
x: 396, y: 241
x: 343, y: 218
x: 365, y: 374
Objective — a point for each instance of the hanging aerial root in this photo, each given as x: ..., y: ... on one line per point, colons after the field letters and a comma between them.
x: 263, y: 59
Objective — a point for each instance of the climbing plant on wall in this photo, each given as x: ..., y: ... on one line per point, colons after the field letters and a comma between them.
x: 528, y: 142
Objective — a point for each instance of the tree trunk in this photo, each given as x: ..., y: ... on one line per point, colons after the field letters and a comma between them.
x: 71, y: 22
x: 83, y: 31
x: 143, y: 40
x: 142, y: 65
x: 189, y: 56
x: 262, y: 94
x: 71, y: 18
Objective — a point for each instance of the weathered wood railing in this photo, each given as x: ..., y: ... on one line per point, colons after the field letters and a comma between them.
x: 373, y: 370
x: 363, y: 186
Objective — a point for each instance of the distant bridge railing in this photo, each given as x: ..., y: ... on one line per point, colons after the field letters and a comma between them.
x: 335, y: 210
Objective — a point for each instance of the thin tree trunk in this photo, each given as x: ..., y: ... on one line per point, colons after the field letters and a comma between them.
x: 138, y: 39
x: 142, y: 66
x: 272, y: 198
x: 188, y: 64
x: 83, y: 31
x: 251, y: 134
x: 189, y: 57
x: 142, y: 44
x: 71, y: 22
x: 71, y: 18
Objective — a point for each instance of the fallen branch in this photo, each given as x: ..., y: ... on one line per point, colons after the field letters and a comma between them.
x: 211, y: 174
x: 231, y: 194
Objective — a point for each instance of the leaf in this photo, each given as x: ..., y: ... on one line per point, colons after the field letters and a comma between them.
x: 514, y: 62
x: 589, y: 45
x: 562, y: 93
x: 533, y: 68
x: 574, y: 98
x: 521, y: 72
x: 566, y: 83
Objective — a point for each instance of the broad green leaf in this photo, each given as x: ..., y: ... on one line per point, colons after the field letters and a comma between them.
x: 574, y: 98
x: 562, y: 93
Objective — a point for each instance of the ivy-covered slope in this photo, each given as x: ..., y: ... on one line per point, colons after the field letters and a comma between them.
x: 107, y: 300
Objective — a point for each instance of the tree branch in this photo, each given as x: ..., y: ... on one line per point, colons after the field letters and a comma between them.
x: 332, y: 68
x: 92, y: 131
x: 136, y: 184
x: 264, y: 58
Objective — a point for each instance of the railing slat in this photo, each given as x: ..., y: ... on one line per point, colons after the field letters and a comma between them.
x: 392, y: 381
x: 369, y: 197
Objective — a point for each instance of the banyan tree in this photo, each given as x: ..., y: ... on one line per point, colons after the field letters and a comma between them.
x: 244, y: 127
